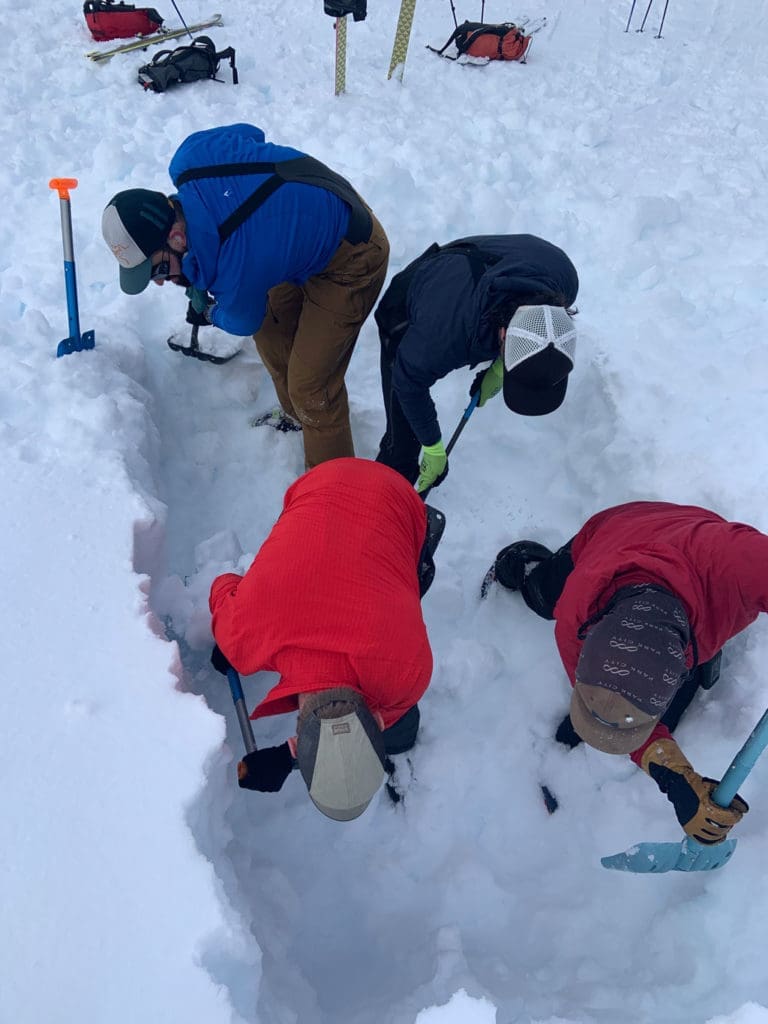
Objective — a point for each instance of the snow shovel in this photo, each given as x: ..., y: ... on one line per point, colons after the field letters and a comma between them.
x: 242, y: 712
x: 690, y: 855
x: 193, y: 349
x: 76, y: 342
x: 455, y: 437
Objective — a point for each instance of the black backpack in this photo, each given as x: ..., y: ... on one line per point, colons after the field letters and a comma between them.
x: 189, y: 63
x: 341, y: 8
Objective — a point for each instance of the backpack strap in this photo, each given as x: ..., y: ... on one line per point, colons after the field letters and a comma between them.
x: 391, y: 314
x: 452, y: 37
x: 229, y: 54
x: 304, y: 170
x: 224, y: 171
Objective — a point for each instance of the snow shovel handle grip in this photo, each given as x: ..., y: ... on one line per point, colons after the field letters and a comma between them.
x: 62, y: 186
x: 742, y: 764
x: 242, y: 713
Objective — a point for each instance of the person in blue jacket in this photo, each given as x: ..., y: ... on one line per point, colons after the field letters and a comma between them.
x: 504, y: 298
x: 270, y: 242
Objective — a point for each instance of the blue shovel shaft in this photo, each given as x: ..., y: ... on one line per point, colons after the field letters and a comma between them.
x: 70, y: 279
x: 463, y: 422
x: 70, y: 282
x: 743, y: 763
x: 242, y: 712
x: 456, y: 434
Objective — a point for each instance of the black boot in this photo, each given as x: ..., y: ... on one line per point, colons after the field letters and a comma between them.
x: 516, y: 560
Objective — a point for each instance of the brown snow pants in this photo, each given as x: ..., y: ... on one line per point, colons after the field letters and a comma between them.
x: 307, y: 338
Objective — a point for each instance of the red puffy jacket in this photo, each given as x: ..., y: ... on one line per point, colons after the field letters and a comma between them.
x: 718, y: 570
x: 332, y: 597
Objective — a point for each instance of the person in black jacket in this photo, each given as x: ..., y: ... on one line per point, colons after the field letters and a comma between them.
x: 504, y: 298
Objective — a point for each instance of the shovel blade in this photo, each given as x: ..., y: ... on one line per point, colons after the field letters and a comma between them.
x: 198, y: 353
x: 657, y: 858
x: 69, y: 345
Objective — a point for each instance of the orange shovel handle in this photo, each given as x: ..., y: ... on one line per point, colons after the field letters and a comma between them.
x: 62, y: 186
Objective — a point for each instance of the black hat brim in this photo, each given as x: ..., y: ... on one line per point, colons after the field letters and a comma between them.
x: 532, y: 401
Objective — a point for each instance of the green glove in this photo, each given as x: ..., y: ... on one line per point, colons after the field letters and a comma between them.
x: 433, y: 467
x: 488, y: 382
x: 199, y: 299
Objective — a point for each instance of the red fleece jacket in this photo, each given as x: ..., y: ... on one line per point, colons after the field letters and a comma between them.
x: 718, y: 570
x: 332, y: 596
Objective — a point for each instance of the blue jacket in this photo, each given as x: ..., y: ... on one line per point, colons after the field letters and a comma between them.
x: 454, y: 322
x: 291, y: 237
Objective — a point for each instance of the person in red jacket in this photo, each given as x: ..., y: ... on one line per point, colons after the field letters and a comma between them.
x: 332, y: 603
x: 644, y: 597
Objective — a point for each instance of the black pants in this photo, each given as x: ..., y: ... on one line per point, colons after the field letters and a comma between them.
x: 399, y: 447
x: 541, y: 591
x: 426, y: 566
x: 544, y: 583
x: 402, y: 735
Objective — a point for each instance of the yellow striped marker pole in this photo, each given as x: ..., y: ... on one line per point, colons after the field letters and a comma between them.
x: 340, y: 77
x: 402, y: 37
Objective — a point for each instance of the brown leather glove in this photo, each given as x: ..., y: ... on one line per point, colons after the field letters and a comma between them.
x: 690, y: 794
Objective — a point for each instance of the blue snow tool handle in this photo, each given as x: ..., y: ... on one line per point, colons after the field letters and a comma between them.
x: 76, y: 342
x: 242, y: 714
x: 690, y: 855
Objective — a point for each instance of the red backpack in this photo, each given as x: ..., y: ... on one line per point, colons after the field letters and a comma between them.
x: 109, y: 20
x: 493, y: 42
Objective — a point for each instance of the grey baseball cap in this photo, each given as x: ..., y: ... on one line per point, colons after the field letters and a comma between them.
x: 340, y: 750
x: 135, y: 223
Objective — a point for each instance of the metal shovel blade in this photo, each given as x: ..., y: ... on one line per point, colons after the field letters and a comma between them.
x: 689, y: 855
x: 69, y: 345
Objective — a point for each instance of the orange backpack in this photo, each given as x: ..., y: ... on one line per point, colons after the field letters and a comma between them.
x: 492, y: 42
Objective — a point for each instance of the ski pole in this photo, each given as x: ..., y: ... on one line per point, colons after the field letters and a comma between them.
x: 76, y: 342
x: 181, y: 19
x: 631, y: 12
x: 647, y: 12
x: 242, y: 712
x: 456, y: 434
x: 663, y: 16
x: 453, y: 12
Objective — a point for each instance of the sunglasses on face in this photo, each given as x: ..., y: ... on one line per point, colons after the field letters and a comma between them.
x: 162, y: 269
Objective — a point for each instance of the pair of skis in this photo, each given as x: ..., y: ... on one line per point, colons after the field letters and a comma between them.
x: 98, y: 56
